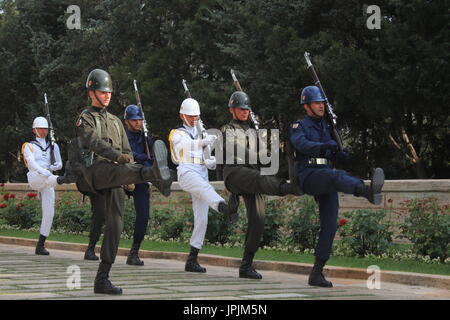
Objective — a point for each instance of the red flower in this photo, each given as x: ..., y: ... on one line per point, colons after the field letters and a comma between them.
x: 6, y: 196
x: 12, y: 196
x: 342, y: 222
x: 19, y: 206
x: 2, y: 184
x: 31, y: 195
x: 3, y: 205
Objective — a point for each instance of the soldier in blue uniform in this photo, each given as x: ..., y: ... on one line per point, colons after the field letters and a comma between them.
x: 141, y: 194
x: 315, y: 155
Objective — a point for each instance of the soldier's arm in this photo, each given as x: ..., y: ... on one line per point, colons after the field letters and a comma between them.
x: 89, y: 138
x: 126, y: 148
x: 301, y: 143
x: 58, y: 160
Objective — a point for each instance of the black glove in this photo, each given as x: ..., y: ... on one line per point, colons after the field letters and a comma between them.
x: 342, y: 156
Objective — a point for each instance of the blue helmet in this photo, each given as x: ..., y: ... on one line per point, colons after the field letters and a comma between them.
x: 133, y: 112
x: 311, y: 94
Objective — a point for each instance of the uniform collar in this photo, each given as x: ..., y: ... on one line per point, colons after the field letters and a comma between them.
x: 242, y: 124
x: 99, y: 110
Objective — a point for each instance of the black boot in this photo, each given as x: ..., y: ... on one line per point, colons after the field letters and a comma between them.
x: 133, y: 258
x: 159, y: 173
x: 246, y: 269
x: 372, y: 192
x: 316, y: 277
x: 226, y: 209
x: 68, y: 177
x: 90, y: 253
x: 192, y: 264
x: 40, y: 246
x: 102, y: 283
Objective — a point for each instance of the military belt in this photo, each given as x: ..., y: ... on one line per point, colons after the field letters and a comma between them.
x: 318, y: 161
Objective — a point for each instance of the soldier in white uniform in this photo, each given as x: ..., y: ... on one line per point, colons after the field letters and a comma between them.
x: 36, y: 154
x: 186, y: 146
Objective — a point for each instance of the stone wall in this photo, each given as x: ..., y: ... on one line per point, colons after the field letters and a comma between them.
x: 395, y: 192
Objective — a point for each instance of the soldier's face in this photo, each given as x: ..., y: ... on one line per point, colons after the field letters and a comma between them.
x: 100, y: 99
x: 240, y: 114
x: 40, y: 132
x: 315, y: 109
x: 134, y: 125
x: 188, y: 120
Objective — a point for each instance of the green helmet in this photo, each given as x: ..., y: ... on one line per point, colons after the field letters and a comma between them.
x: 239, y: 99
x: 100, y: 80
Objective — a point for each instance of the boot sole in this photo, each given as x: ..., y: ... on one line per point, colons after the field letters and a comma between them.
x: 377, y: 184
x: 160, y: 153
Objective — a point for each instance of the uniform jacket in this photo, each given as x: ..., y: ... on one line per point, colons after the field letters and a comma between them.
x: 232, y: 137
x: 109, y: 140
x: 307, y: 136
x: 136, y: 140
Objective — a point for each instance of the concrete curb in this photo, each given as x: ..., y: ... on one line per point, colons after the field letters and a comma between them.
x: 407, y: 278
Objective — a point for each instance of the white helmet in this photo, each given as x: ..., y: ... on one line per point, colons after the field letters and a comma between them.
x: 40, y: 122
x: 190, y: 107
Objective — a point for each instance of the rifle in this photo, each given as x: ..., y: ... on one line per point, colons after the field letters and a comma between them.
x: 144, y: 123
x: 199, y: 123
x: 238, y: 87
x: 50, y: 130
x: 330, y: 115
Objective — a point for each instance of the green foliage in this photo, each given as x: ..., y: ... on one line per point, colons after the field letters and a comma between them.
x: 72, y: 216
x: 160, y: 42
x: 168, y: 224
x: 219, y: 228
x: 366, y: 232
x: 304, y: 223
x: 427, y: 226
x: 274, y: 215
x: 24, y: 214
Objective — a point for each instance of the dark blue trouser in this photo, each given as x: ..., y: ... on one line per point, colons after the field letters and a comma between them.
x: 324, y: 184
x: 141, y: 197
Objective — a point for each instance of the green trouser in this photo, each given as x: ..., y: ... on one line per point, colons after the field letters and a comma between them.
x: 102, y: 181
x: 98, y: 217
x: 252, y: 186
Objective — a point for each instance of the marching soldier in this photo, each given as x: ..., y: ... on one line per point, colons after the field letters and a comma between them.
x: 37, y: 155
x: 242, y: 178
x: 187, y: 149
x: 316, y: 153
x: 141, y: 194
x: 102, y: 157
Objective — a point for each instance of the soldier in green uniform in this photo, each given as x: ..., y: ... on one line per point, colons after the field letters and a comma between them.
x: 102, y: 158
x: 242, y: 178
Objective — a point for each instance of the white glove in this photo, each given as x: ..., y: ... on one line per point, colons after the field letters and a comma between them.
x: 55, y: 167
x: 45, y: 173
x: 210, y: 163
x: 209, y: 140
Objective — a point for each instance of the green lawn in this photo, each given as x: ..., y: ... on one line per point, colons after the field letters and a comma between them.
x: 263, y: 254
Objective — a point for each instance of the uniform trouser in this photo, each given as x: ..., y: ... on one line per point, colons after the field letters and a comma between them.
x: 106, y: 175
x: 252, y: 186
x: 324, y: 185
x: 203, y: 196
x: 141, y: 197
x: 113, y: 202
x: 45, y: 186
x: 98, y: 207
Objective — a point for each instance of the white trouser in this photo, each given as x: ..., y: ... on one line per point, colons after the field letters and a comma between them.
x: 45, y: 186
x: 203, y: 196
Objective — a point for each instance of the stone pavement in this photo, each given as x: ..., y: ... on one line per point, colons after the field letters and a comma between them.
x: 24, y: 275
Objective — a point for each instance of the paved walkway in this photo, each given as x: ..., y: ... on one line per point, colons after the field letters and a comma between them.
x: 24, y: 275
